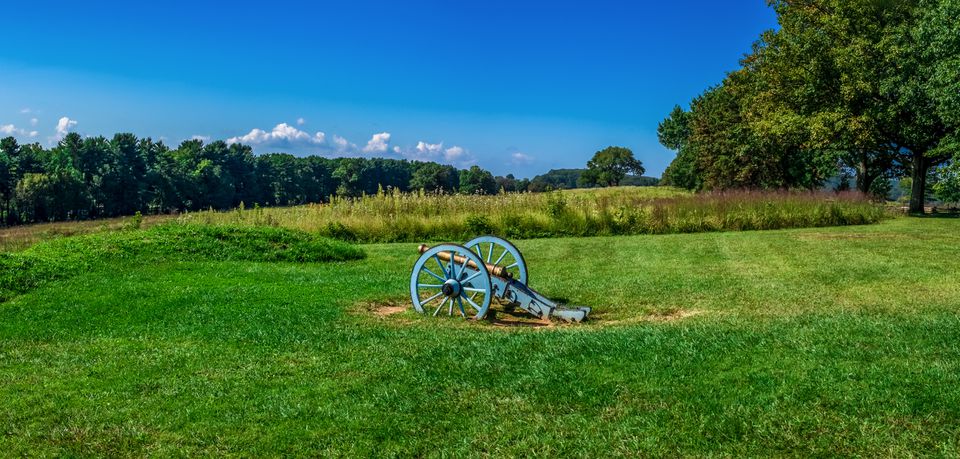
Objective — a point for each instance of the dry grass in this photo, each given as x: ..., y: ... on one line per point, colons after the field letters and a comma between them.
x: 399, y: 217
x: 17, y: 238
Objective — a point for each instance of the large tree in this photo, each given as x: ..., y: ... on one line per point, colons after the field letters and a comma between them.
x: 609, y: 166
x: 869, y: 85
x: 477, y: 181
x: 435, y: 178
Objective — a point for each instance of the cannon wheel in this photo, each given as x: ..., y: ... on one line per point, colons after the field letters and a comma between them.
x: 500, y: 252
x: 436, y: 285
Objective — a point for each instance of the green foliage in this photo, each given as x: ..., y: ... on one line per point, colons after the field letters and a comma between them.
x: 435, y: 178
x: 477, y: 181
x: 674, y: 131
x: 480, y: 225
x: 556, y: 179
x: 947, y: 187
x: 43, y: 197
x: 136, y: 221
x: 870, y: 86
x: 609, y: 166
x: 83, y: 178
x: 60, y: 258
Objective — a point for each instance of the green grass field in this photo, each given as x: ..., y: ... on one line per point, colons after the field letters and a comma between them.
x: 826, y: 341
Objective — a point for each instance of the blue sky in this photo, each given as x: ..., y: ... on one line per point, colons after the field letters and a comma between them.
x: 517, y: 87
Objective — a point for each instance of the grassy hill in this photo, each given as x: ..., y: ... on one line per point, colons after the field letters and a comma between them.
x: 827, y: 341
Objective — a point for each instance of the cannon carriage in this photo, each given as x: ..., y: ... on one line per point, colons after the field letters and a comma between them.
x: 466, y: 279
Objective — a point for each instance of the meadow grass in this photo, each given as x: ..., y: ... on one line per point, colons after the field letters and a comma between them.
x: 24, y: 270
x: 401, y: 217
x: 802, y: 342
x: 20, y: 237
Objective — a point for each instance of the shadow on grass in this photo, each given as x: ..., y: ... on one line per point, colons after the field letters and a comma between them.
x: 941, y: 214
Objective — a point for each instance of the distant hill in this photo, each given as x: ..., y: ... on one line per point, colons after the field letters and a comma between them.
x: 567, y: 179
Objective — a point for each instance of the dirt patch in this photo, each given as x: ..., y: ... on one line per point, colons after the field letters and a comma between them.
x: 384, y: 308
x: 497, y: 317
x: 661, y: 316
x: 500, y: 317
x: 673, y: 315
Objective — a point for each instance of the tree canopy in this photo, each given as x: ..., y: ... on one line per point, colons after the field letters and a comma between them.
x: 862, y: 88
x: 609, y: 166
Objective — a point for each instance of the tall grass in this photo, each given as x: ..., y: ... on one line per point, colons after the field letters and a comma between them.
x: 400, y: 217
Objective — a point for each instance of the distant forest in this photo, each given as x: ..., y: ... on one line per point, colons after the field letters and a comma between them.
x: 96, y: 177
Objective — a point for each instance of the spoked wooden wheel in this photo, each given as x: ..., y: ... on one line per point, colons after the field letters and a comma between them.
x: 499, y: 252
x: 451, y: 278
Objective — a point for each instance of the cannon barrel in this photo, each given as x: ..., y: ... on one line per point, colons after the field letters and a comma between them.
x: 494, y: 270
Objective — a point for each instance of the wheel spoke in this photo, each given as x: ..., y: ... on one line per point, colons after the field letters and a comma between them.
x: 442, y: 268
x: 433, y: 274
x: 475, y: 305
x: 424, y: 302
x: 471, y: 277
x: 479, y: 250
x: 490, y: 253
x: 450, y: 311
x: 463, y: 268
x: 439, y: 307
x: 514, y: 265
x: 453, y: 266
x: 429, y: 285
x: 501, y: 257
x: 474, y: 290
x: 460, y: 304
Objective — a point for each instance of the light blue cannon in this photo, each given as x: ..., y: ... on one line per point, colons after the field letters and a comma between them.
x: 467, y: 278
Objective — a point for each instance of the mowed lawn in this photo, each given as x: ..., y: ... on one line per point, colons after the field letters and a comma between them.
x: 827, y: 341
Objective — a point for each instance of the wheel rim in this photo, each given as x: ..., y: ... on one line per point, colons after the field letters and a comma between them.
x: 451, y: 287
x: 500, y: 252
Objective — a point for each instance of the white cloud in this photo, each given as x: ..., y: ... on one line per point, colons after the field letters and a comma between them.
x: 34, y: 121
x: 521, y: 159
x: 10, y: 129
x: 429, y: 149
x: 282, y: 135
x: 455, y: 155
x: 25, y: 110
x: 301, y: 121
x: 379, y: 143
x: 202, y: 138
x: 64, y: 126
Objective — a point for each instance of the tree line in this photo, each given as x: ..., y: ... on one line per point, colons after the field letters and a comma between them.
x: 867, y: 90
x: 94, y: 177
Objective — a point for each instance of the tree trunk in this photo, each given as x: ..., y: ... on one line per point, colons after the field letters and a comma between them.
x: 865, y: 177
x: 919, y: 190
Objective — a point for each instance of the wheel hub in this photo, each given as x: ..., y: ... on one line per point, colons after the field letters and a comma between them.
x: 451, y: 288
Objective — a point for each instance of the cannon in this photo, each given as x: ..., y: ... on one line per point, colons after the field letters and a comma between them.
x: 467, y: 278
